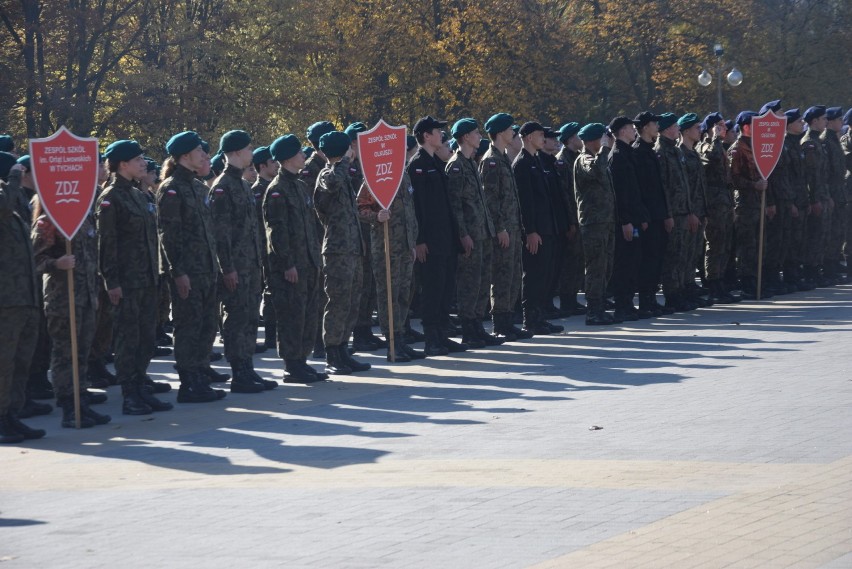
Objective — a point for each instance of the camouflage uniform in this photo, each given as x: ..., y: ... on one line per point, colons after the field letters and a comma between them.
x: 402, y: 236
x: 313, y: 166
x: 846, y: 145
x: 368, y: 287
x: 596, y: 208
x: 236, y: 229
x: 292, y: 241
x: 676, y: 186
x: 19, y: 299
x: 835, y: 166
x: 501, y: 198
x: 473, y: 274
x: 188, y: 247
x: 48, y: 246
x: 819, y: 226
x: 794, y: 169
x: 779, y: 227
x: 342, y: 249
x: 719, y: 206
x: 268, y: 311
x: 744, y: 176
x: 572, y: 275
x: 697, y: 199
x: 127, y: 251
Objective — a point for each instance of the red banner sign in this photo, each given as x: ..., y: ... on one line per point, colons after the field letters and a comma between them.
x: 382, y: 151
x: 65, y: 170
x: 767, y: 139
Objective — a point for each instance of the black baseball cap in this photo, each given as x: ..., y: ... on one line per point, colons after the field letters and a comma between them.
x: 427, y: 124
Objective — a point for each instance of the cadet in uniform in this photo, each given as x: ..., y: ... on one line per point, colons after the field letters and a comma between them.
x: 819, y: 220
x: 293, y: 249
x: 572, y: 266
x: 267, y: 168
x: 188, y: 248
x: 836, y: 181
x: 561, y: 215
x: 793, y: 166
x: 846, y: 144
x: 777, y: 223
x: 690, y: 134
x: 129, y: 265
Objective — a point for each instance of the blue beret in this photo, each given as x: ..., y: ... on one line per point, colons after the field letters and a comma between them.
x: 353, y: 129
x: 234, y: 140
x: 792, y: 115
x: 770, y: 106
x: 7, y: 160
x: 334, y: 144
x: 814, y: 112
x: 261, y: 155
x: 308, y: 150
x: 568, y: 130
x: 592, y: 131
x: 710, y: 121
x: 24, y: 161
x: 688, y: 121
x: 123, y: 150
x: 847, y: 118
x: 484, y: 144
x: 499, y: 123
x: 832, y: 113
x: 462, y: 127
x: 217, y: 163
x: 666, y: 120
x: 729, y: 124
x: 316, y: 130
x: 205, y: 146
x: 745, y: 117
x: 285, y: 147
x: 7, y: 143
x: 183, y: 143
x: 410, y: 142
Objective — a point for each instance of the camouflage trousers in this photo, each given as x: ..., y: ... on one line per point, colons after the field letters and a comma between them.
x: 473, y: 280
x: 18, y: 336
x: 798, y: 248
x: 598, y: 252
x: 747, y: 222
x: 135, y: 333
x: 778, y: 237
x: 296, y: 312
x: 402, y: 274
x: 268, y: 309
x: 368, y: 288
x: 196, y: 319
x: 61, y: 363
x: 694, y: 251
x: 573, y: 266
x: 836, y: 235
x: 674, y: 274
x: 506, y: 272
x: 719, y: 233
x: 164, y: 300
x: 240, y: 313
x: 819, y: 229
x: 343, y: 275
x: 104, y: 323
x: 41, y: 355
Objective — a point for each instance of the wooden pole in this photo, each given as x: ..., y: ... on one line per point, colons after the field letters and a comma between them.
x: 391, y: 345
x: 760, y: 242
x: 75, y: 364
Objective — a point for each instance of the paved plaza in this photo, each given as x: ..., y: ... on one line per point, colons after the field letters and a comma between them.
x: 717, y: 438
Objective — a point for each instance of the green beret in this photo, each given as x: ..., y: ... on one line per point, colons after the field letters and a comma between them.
x: 462, y: 127
x: 308, y: 150
x: 205, y: 146
x: 285, y: 147
x: 454, y: 145
x: 7, y: 160
x: 484, y: 144
x: 334, y: 144
x: 316, y: 130
x: 261, y: 155
x: 592, y: 131
x: 688, y: 120
x: 568, y: 130
x: 7, y: 143
x: 353, y: 129
x: 24, y: 161
x: 152, y: 165
x: 217, y: 163
x: 516, y: 128
x: 498, y: 123
x: 123, y: 150
x: 666, y: 120
x: 183, y: 143
x: 234, y: 140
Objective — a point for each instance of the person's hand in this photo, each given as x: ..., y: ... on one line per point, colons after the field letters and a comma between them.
x: 794, y: 211
x: 231, y: 281
x: 383, y: 216
x: 291, y: 275
x: 66, y: 262
x: 816, y: 209
x: 422, y: 250
x: 668, y: 224
x: 503, y: 239
x: 627, y: 231
x: 467, y: 245
x: 692, y: 222
x: 533, y: 242
x: 115, y: 295
x: 770, y: 211
x: 183, y: 287
x: 760, y: 185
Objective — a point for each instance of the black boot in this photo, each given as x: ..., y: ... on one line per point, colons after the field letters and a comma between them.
x: 502, y: 330
x: 319, y: 348
x: 412, y: 336
x: 433, y: 344
x: 399, y: 356
x: 163, y: 339
x: 470, y: 335
x: 270, y: 335
x: 214, y: 376
x: 533, y: 323
x: 351, y: 362
x: 98, y: 375
x: 452, y: 346
x: 596, y: 315
x: 267, y: 383
x: 195, y: 388
x: 243, y: 380
x: 334, y: 363
x: 489, y: 339
x: 509, y: 320
x: 34, y: 409
x: 146, y: 395
x: 28, y: 433
x: 133, y: 403
x: 9, y: 435
x: 363, y: 339
x: 748, y: 286
x: 68, y: 416
x: 646, y: 307
x: 298, y: 372
x: 402, y: 346
x: 39, y: 386
x: 151, y: 386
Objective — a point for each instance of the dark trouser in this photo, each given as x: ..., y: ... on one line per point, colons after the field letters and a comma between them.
x: 818, y: 226
x: 18, y: 336
x: 836, y: 236
x: 196, y: 319
x: 748, y: 232
x: 536, y: 278
x: 343, y: 274
x: 796, y: 255
x: 296, y: 309
x: 560, y: 244
x: 438, y: 275
x: 104, y: 323
x: 401, y: 271
x: 241, y: 309
x: 164, y: 302
x: 653, y: 243
x: 135, y: 333
x: 625, y: 269
x: 61, y: 362
x: 368, y: 285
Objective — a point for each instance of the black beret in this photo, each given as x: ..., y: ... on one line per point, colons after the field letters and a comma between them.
x: 550, y: 133
x: 334, y: 144
x: 183, y: 143
x: 792, y: 115
x: 529, y: 128
x: 285, y: 147
x: 618, y: 123
x: 234, y: 140
x: 217, y: 163
x: 410, y: 142
x: 123, y: 150
x: 427, y: 124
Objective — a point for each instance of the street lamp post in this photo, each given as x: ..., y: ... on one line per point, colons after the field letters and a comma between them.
x: 734, y: 77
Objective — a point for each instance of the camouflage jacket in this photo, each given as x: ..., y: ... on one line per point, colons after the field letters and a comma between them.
x: 48, y: 246
x: 355, y: 174
x: 501, y: 193
x: 792, y: 164
x: 402, y: 224
x: 291, y: 236
x: 309, y: 174
x: 593, y: 188
x: 259, y: 191
x: 835, y: 166
x: 697, y: 181
x: 815, y: 167
x: 334, y: 201
x: 467, y: 198
x: 186, y: 226
x: 846, y: 145
x: 127, y: 236
x: 719, y: 195
x: 744, y: 174
x: 18, y: 283
x: 673, y: 175
x: 565, y: 160
x: 235, y: 223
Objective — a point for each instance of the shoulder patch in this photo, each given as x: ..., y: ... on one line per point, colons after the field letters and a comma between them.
x: 275, y: 195
x: 492, y: 163
x: 105, y: 203
x: 219, y: 190
x: 560, y: 163
x: 305, y: 172
x: 171, y: 192
x: 418, y: 170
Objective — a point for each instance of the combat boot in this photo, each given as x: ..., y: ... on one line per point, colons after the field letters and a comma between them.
x: 553, y: 328
x: 364, y: 341
x: 39, y: 386
x: 452, y: 346
x: 319, y: 348
x: 470, y: 336
x: 433, y: 345
x: 412, y: 336
x: 163, y: 339
x: 68, y: 416
x: 194, y: 388
x: 133, y: 404
x: 298, y: 372
x: 267, y: 383
x: 351, y: 362
x: 596, y: 315
x: 409, y: 351
x: 145, y: 394
x: 335, y: 365
x: 509, y: 321
x: 489, y: 339
x: 9, y: 435
x: 214, y: 376
x: 647, y: 308
x: 12, y: 420
x: 320, y: 375
x: 98, y: 375
x: 243, y: 380
x: 533, y: 324
x: 34, y: 409
x: 400, y: 357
